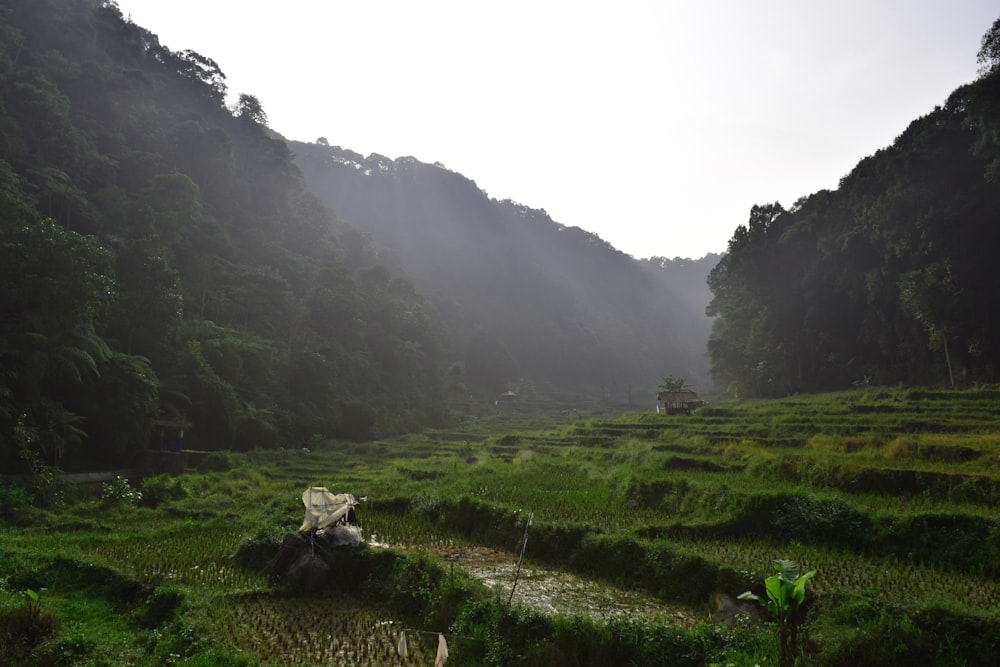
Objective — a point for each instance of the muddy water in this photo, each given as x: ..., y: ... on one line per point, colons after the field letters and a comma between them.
x: 557, y: 592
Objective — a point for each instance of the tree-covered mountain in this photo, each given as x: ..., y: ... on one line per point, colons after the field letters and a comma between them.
x: 525, y: 298
x: 163, y: 261
x: 889, y: 278
x: 164, y: 264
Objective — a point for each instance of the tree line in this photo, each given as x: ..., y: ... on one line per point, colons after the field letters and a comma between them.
x: 163, y: 262
x: 524, y: 298
x: 889, y: 278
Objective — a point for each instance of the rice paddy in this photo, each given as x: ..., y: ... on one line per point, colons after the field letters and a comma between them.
x: 886, y: 492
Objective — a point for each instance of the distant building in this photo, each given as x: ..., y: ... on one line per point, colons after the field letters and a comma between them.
x: 674, y: 402
x: 506, y: 397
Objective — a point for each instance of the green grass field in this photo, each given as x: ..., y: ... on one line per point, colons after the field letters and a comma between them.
x: 890, y: 494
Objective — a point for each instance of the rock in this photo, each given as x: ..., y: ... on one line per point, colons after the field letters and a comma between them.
x: 729, y: 611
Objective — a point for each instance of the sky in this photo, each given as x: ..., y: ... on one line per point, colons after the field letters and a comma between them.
x: 656, y: 125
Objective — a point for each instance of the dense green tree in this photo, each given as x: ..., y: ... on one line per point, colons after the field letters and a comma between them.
x: 989, y: 50
x: 55, y: 285
x: 149, y: 306
x: 561, y: 306
x: 888, y: 279
x: 140, y: 216
x: 248, y: 107
x: 129, y: 384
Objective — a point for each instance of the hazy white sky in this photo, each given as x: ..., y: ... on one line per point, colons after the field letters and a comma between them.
x: 656, y: 125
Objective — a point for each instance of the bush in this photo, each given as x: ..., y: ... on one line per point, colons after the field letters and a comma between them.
x: 217, y: 462
x: 254, y: 432
x: 413, y: 583
x: 161, y: 607
x: 256, y: 553
x: 955, y: 541
x: 829, y: 522
x: 12, y: 497
x: 67, y: 652
x: 866, y: 628
x: 24, y: 626
x: 120, y: 492
x: 159, y: 489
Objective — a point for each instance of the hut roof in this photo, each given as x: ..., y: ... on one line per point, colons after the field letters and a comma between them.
x: 677, y: 396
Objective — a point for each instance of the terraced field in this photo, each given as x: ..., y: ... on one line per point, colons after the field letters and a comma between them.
x: 890, y: 494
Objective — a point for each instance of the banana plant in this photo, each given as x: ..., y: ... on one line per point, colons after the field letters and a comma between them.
x: 786, y: 592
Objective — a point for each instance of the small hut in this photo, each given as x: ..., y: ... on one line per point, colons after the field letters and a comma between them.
x: 164, y: 450
x: 677, y: 402
x: 168, y: 435
x: 506, y: 397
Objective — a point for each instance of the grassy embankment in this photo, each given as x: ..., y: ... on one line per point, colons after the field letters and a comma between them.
x: 890, y: 494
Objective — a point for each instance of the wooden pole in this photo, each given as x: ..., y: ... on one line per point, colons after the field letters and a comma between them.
x: 523, y: 545
x: 947, y: 358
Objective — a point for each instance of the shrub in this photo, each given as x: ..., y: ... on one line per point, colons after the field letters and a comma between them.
x: 24, y: 626
x: 12, y: 497
x: 256, y: 432
x: 217, y: 462
x: 161, y: 607
x: 47, y: 486
x: 901, y: 448
x: 950, y: 540
x: 830, y: 522
x: 68, y: 652
x: 615, y: 558
x: 866, y: 628
x: 257, y: 552
x: 160, y: 489
x: 120, y: 492
x: 413, y: 582
x: 509, y: 441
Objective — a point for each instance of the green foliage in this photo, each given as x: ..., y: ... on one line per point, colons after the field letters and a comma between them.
x: 120, y: 492
x: 160, y: 608
x: 909, y: 587
x: 113, y: 437
x: 672, y: 383
x: 49, y: 341
x: 786, y: 595
x: 12, y: 497
x: 884, y: 278
x: 257, y: 553
x: 24, y: 626
x: 519, y: 636
x: 46, y: 486
x: 217, y: 462
x: 866, y: 627
x: 160, y: 489
x: 142, y: 217
x: 832, y: 522
x: 989, y: 51
x: 510, y: 319
x: 412, y: 584
x: 358, y: 421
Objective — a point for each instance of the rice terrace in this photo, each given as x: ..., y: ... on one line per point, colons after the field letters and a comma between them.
x: 654, y: 524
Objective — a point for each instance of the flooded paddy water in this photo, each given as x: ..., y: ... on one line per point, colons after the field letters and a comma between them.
x: 554, y: 591
x: 323, y: 631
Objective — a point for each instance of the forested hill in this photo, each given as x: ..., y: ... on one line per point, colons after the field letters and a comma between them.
x: 524, y: 297
x: 890, y: 278
x: 163, y: 265
x: 162, y: 261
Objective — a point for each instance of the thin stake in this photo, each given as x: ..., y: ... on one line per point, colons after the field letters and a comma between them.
x: 523, y: 545
x: 947, y: 357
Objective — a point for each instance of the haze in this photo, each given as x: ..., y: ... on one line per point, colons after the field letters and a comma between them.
x: 656, y: 125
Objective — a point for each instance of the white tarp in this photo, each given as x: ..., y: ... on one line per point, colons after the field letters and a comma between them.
x: 324, y: 508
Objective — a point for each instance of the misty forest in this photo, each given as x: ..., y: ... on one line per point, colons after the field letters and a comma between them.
x: 201, y: 319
